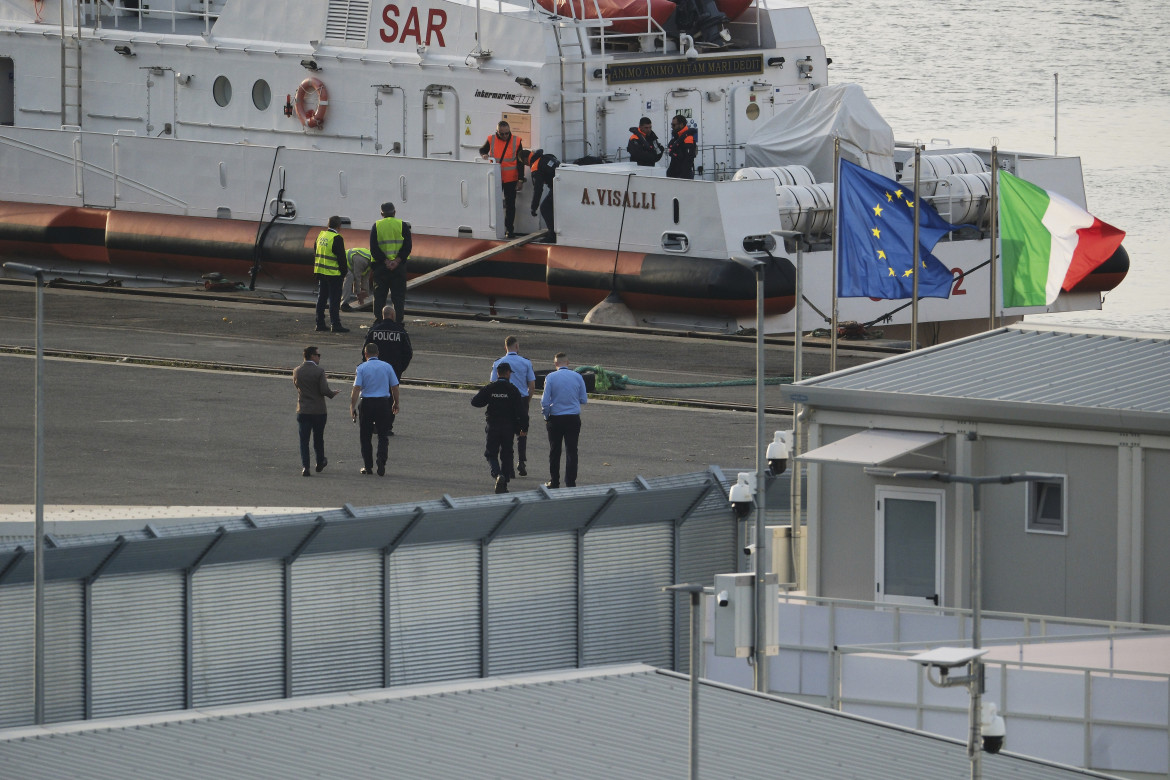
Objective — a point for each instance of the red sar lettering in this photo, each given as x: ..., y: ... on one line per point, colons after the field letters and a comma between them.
x: 436, y: 20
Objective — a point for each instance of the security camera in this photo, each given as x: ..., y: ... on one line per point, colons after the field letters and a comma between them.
x: 692, y: 54
x: 748, y: 549
x: 992, y: 727
x: 741, y: 494
x: 722, y: 599
x: 778, y: 451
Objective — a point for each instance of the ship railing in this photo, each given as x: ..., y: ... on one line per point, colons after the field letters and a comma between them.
x: 95, y: 11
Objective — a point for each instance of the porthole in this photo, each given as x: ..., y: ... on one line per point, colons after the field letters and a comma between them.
x: 221, y: 90
x: 261, y: 94
x: 753, y: 111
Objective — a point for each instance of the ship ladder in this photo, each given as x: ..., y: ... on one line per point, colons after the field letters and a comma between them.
x: 459, y: 265
x: 71, y: 79
x: 573, y: 48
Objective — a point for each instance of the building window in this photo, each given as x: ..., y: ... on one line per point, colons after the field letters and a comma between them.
x: 1046, y: 508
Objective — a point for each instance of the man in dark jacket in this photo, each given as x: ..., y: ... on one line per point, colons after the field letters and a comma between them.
x: 682, y: 149
x: 393, y: 345
x: 643, y: 145
x: 543, y: 169
x: 505, y: 412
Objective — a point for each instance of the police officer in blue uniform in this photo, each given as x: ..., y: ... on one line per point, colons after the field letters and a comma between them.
x: 524, y: 378
x: 503, y: 414
x: 376, y: 386
x: 564, y: 393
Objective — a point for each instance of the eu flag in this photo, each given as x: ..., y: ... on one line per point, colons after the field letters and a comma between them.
x: 875, y: 239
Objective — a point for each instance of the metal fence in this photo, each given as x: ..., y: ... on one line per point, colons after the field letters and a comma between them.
x: 267, y: 607
x: 1089, y: 711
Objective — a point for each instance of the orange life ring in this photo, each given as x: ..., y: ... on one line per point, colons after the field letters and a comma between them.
x: 309, y: 88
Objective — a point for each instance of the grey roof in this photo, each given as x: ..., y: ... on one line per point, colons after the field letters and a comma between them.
x: 612, y: 722
x: 1068, y: 377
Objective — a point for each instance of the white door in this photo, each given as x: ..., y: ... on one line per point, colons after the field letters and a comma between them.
x: 909, y: 546
x: 390, y: 118
x: 160, y: 103
x: 440, y: 123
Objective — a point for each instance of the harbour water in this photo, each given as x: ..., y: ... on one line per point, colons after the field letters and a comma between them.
x: 970, y: 72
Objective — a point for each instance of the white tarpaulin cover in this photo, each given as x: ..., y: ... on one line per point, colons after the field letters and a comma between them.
x: 802, y: 134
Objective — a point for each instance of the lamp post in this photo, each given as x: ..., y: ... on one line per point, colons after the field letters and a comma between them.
x: 975, y: 593
x: 759, y: 658
x: 696, y: 592
x: 797, y: 374
x: 39, y: 501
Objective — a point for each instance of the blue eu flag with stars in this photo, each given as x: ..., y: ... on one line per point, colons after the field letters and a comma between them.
x: 875, y: 239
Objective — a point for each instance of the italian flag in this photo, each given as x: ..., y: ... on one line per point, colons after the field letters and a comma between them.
x: 1047, y: 242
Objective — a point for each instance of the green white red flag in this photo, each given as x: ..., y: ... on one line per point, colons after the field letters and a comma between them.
x: 1047, y: 242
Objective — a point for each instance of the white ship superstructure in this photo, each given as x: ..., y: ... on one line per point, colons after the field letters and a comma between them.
x: 167, y: 139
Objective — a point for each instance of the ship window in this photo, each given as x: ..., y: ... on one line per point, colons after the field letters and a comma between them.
x: 1047, y: 506
x: 221, y: 90
x: 675, y: 242
x: 261, y: 94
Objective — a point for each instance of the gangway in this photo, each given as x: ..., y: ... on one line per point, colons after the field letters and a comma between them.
x: 418, y: 281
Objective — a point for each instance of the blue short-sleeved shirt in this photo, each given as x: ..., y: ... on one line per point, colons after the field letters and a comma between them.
x: 564, y: 393
x: 522, y: 372
x: 375, y: 378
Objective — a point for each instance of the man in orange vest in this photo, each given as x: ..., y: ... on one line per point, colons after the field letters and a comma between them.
x: 505, y: 148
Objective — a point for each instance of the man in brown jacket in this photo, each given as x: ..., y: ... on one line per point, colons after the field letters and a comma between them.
x: 312, y: 390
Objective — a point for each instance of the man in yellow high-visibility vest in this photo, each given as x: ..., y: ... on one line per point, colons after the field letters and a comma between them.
x: 328, y: 262
x: 390, y: 245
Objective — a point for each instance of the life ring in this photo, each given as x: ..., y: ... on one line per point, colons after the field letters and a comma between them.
x: 313, y: 93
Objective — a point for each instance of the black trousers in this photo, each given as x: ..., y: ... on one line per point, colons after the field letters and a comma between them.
x: 522, y: 434
x: 392, y: 285
x: 509, y: 206
x: 312, y: 425
x: 546, y: 212
x: 374, y: 415
x: 499, y: 447
x: 329, y: 293
x: 566, y: 429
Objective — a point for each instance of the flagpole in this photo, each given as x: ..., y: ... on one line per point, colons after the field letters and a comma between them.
x: 836, y: 230
x: 994, y: 227
x: 914, y: 265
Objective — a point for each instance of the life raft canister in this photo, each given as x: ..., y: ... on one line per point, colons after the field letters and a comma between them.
x: 312, y: 92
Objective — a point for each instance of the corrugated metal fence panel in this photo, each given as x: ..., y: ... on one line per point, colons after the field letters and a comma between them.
x: 237, y: 637
x: 138, y: 643
x: 707, y: 546
x: 627, y: 616
x: 337, y: 622
x: 16, y: 655
x: 64, y: 651
x: 434, y: 613
x: 532, y: 603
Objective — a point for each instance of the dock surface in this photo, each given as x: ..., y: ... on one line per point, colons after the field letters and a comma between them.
x: 189, y: 402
